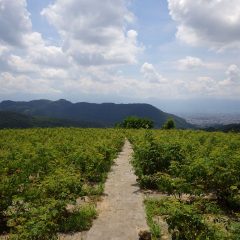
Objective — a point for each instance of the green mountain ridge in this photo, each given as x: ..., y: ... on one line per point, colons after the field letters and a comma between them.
x: 19, y: 120
x: 105, y: 114
x: 234, y: 127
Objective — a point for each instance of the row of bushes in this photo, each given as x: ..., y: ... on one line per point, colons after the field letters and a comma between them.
x: 195, y: 163
x: 44, y: 170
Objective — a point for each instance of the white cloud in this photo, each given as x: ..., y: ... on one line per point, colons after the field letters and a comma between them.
x: 193, y: 63
x: 3, y: 49
x: 97, y: 38
x: 214, y: 23
x: 36, y: 58
x: 190, y: 63
x: 206, y: 85
x: 27, y: 63
x: 49, y: 56
x: 13, y: 84
x: 95, y: 33
x: 22, y: 49
x: 151, y: 74
x: 54, y: 73
x: 18, y: 64
x: 233, y: 76
x: 15, y: 22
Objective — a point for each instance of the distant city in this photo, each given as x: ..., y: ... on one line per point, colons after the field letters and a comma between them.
x: 207, y: 119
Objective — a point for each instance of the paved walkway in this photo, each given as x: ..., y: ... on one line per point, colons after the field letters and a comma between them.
x: 121, y: 213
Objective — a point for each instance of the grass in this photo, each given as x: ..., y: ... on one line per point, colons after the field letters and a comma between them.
x: 154, y: 227
x: 200, y: 219
x: 79, y: 220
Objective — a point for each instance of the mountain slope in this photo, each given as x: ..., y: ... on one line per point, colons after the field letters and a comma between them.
x: 234, y: 127
x: 105, y: 114
x: 19, y: 120
x: 14, y: 120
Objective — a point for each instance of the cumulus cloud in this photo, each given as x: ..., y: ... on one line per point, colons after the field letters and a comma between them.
x: 49, y: 56
x: 28, y: 64
x: 233, y: 76
x: 194, y: 63
x: 190, y: 63
x: 95, y: 39
x: 12, y: 83
x: 151, y: 74
x: 35, y: 59
x: 214, y: 23
x: 3, y: 49
x: 205, y: 85
x: 18, y: 64
x: 20, y: 47
x: 95, y: 33
x: 91, y: 36
x: 210, y: 86
x: 15, y: 22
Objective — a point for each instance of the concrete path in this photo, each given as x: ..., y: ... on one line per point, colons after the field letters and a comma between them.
x: 121, y: 213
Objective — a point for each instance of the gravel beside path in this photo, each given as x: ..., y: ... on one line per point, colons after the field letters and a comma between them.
x: 121, y: 213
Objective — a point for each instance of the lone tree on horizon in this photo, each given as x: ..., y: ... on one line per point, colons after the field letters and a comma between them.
x: 169, y: 124
x: 136, y: 123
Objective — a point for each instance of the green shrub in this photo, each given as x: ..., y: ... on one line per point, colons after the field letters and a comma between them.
x: 78, y: 220
x: 169, y: 124
x: 133, y: 122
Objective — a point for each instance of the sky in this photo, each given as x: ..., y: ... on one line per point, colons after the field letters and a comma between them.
x: 180, y: 55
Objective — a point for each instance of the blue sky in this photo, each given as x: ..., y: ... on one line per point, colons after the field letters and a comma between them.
x: 165, y: 52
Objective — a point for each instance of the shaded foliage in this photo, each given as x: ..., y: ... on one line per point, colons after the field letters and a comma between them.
x: 136, y: 123
x: 18, y: 120
x: 169, y: 124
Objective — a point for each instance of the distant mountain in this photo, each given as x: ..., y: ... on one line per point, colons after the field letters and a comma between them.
x: 235, y: 127
x: 15, y: 120
x: 105, y: 114
x: 19, y: 120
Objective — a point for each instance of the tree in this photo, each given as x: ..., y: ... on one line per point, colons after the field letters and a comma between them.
x: 136, y: 122
x: 169, y: 124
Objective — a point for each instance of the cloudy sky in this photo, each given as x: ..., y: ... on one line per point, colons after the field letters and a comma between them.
x: 156, y: 51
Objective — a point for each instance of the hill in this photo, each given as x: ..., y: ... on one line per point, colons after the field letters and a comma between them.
x: 234, y: 127
x: 15, y: 120
x: 105, y: 114
x: 19, y: 120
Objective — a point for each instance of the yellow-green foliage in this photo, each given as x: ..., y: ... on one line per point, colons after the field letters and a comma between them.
x: 195, y: 163
x: 189, y: 161
x: 42, y: 170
